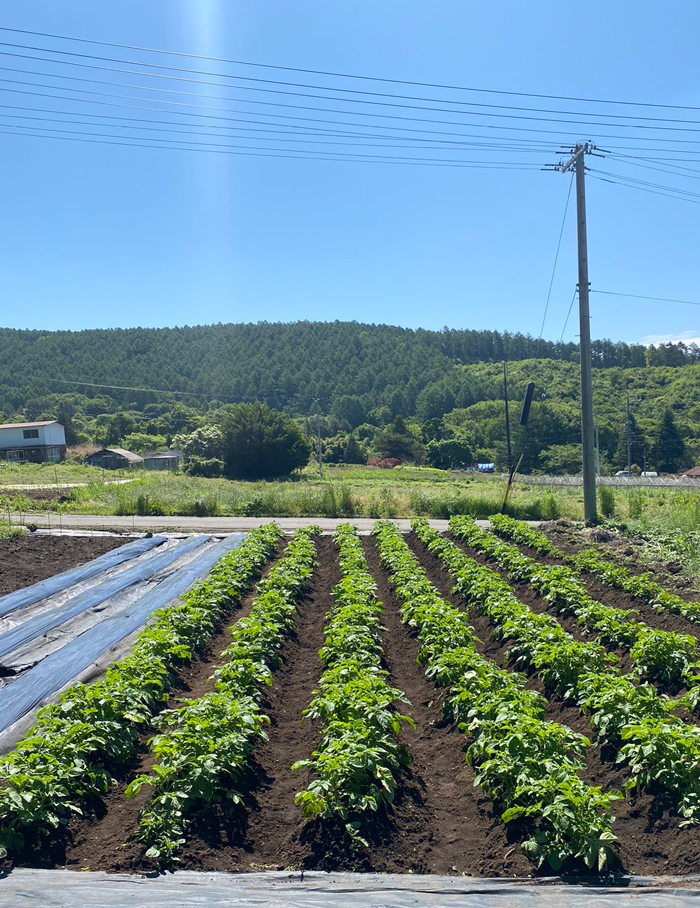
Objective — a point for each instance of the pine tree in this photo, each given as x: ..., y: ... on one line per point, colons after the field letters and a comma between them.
x: 668, y: 449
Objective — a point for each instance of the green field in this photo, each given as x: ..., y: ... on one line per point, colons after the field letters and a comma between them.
x: 343, y: 492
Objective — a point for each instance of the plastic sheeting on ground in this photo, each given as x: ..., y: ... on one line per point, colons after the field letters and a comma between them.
x: 110, y: 586
x: 27, y: 596
x: 53, y: 673
x: 187, y: 889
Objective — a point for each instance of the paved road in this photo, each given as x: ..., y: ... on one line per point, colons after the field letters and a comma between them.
x: 205, y: 524
x: 34, y: 486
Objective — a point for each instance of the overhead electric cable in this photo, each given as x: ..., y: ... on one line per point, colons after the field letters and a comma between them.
x: 556, y: 257
x: 571, y: 305
x: 290, y: 153
x: 638, y: 296
x: 325, y: 97
x: 493, y: 91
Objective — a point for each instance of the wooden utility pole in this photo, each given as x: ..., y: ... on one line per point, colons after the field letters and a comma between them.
x: 629, y: 436
x: 577, y: 161
x: 505, y: 388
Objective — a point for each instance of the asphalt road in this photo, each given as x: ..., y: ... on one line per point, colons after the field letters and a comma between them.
x: 206, y: 524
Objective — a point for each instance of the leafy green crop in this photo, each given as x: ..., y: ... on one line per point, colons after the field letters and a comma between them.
x: 643, y: 586
x: 204, y: 745
x: 527, y: 764
x: 619, y: 708
x: 68, y: 755
x: 658, y: 655
x: 359, y: 759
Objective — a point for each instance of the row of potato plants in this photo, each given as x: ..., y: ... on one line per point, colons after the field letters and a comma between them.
x: 204, y: 746
x: 76, y: 745
x: 657, y: 746
x: 664, y: 656
x: 527, y: 765
x: 360, y: 758
x: 618, y: 577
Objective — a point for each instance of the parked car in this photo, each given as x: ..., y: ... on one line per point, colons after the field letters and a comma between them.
x: 650, y: 474
x: 624, y: 474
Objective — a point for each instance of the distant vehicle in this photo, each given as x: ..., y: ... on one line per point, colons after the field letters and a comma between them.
x: 624, y: 474
x: 651, y: 474
x: 486, y: 467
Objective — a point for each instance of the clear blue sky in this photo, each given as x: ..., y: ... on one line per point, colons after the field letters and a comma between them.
x: 99, y: 235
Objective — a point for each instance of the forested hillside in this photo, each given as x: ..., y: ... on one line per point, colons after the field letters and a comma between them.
x: 444, y: 383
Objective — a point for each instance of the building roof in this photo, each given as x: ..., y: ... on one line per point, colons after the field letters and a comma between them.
x: 153, y: 455
x: 120, y: 452
x: 694, y: 473
x: 28, y: 425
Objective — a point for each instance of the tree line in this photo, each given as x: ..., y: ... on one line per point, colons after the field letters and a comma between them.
x: 429, y: 396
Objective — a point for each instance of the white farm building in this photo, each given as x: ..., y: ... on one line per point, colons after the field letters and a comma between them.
x: 33, y: 442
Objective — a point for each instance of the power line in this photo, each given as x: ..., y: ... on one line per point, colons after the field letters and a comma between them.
x: 556, y: 257
x: 492, y: 91
x: 297, y: 138
x: 658, y: 299
x: 571, y: 306
x: 217, y: 97
x: 384, y: 116
x: 668, y: 195
x: 270, y: 153
x: 363, y: 100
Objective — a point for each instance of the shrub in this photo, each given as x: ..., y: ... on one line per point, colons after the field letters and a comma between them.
x: 636, y: 503
x: 606, y: 500
x: 208, y: 467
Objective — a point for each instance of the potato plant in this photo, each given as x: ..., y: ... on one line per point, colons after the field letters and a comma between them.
x: 526, y: 764
x: 69, y: 755
x: 643, y: 586
x: 663, y: 656
x: 618, y: 706
x: 204, y: 746
x: 360, y: 758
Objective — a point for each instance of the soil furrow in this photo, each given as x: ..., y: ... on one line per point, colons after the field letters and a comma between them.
x: 444, y: 823
x: 651, y: 838
x: 102, y: 840
x: 601, y: 592
x: 266, y: 833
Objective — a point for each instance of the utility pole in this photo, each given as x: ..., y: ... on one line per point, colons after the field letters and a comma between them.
x: 577, y: 162
x: 318, y: 433
x: 629, y: 436
x: 505, y: 385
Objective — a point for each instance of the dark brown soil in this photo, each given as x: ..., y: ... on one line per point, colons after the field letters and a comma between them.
x: 623, y: 550
x: 29, y: 559
x: 439, y: 823
x: 444, y: 824
x: 60, y: 495
x: 665, y: 621
x: 103, y: 840
x: 649, y: 830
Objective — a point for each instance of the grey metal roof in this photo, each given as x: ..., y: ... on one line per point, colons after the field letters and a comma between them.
x: 28, y: 425
x: 127, y: 455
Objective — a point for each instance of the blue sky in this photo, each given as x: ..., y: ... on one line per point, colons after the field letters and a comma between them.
x: 100, y: 235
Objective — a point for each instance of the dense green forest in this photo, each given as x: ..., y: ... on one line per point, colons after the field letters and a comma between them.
x: 435, y: 395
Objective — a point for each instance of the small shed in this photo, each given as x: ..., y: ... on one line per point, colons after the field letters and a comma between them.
x: 692, y: 474
x: 114, y: 459
x: 162, y: 460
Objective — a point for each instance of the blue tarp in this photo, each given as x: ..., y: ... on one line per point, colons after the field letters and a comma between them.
x: 189, y: 889
x: 52, y: 585
x: 53, y: 673
x: 143, y: 570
